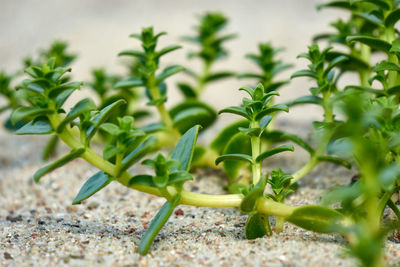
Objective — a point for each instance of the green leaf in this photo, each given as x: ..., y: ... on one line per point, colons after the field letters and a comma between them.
x: 218, y: 76
x: 22, y: 113
x: 236, y: 110
x: 168, y: 71
x: 110, y: 128
x: 223, y: 137
x: 371, y: 42
x: 304, y: 73
x: 184, y: 150
x: 128, y: 83
x: 250, y: 131
x: 392, y: 18
x: 157, y: 223
x: 336, y: 61
x: 316, y: 218
x: 242, y: 157
x: 92, y: 186
x: 35, y: 127
x: 81, y: 107
x: 133, y: 53
x: 265, y: 121
x: 248, y: 203
x: 388, y: 176
x: 192, y: 112
x: 101, y: 117
x: 370, y: 17
x: 187, y: 90
x: 275, y: 108
x: 279, y: 136
x: 50, y: 147
x: 153, y: 127
x: 385, y: 65
x: 274, y: 151
x: 178, y: 177
x: 167, y: 50
x: 238, y: 144
x: 335, y: 160
x: 256, y: 225
x: 338, y: 4
x: 308, y: 99
x: 75, y: 153
x: 137, y: 154
x: 142, y: 179
x: 352, y: 63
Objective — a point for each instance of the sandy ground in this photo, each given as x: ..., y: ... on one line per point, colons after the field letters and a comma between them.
x: 39, y: 227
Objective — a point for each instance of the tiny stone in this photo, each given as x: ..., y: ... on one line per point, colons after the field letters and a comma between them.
x: 179, y: 212
x: 93, y: 205
x: 8, y: 256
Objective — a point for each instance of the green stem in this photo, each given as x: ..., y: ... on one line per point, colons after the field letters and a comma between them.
x: 305, y: 169
x: 255, y: 151
x: 266, y: 206
x: 202, y: 80
x: 165, y: 117
x: 394, y: 207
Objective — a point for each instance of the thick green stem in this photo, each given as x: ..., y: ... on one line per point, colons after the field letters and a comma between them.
x: 265, y: 206
x: 305, y: 169
x: 202, y: 80
x: 255, y: 151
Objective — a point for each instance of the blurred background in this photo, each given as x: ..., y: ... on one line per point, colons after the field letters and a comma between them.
x: 98, y: 30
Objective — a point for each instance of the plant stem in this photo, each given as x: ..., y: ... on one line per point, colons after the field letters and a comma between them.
x: 266, y: 206
x: 202, y: 80
x: 255, y: 151
x: 305, y: 169
x: 165, y: 117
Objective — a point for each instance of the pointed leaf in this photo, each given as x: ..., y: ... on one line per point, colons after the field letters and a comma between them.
x: 138, y: 153
x: 168, y: 71
x: 141, y: 179
x: 184, y: 150
x: 275, y: 108
x: 35, y: 127
x: 92, y: 186
x: 235, y: 110
x: 75, y: 153
x: 256, y: 225
x: 81, y: 107
x: 218, y: 76
x: 192, y: 112
x: 50, y: 147
x: 131, y: 82
x: 335, y: 160
x: 167, y: 50
x: 316, y: 218
x: 248, y: 203
x: 220, y: 141
x: 385, y: 65
x: 238, y: 144
x: 274, y: 151
x: 22, y: 113
x: 308, y: 99
x: 179, y: 176
x: 133, y: 53
x: 304, y: 73
x: 157, y: 223
x: 187, y: 90
x: 371, y: 42
x: 241, y: 157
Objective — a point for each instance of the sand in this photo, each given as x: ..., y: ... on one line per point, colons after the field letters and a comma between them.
x: 39, y: 227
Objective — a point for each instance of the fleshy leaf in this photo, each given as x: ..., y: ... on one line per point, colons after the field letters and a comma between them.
x: 92, y: 186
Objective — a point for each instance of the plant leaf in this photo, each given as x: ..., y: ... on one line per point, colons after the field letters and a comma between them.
x: 255, y: 225
x: 35, y: 127
x: 335, y: 160
x: 275, y: 108
x: 238, y: 144
x: 128, y: 83
x: 184, y: 150
x: 274, y: 151
x: 134, y: 53
x: 242, y: 157
x: 219, y: 75
x: 187, y: 90
x: 167, y: 50
x: 22, y: 113
x: 81, y: 107
x: 308, y: 99
x: 235, y: 110
x: 371, y: 42
x: 223, y: 137
x: 304, y: 73
x: 316, y: 218
x: 392, y: 18
x: 75, y: 153
x: 168, y: 71
x: 92, y: 186
x: 137, y: 154
x: 157, y: 223
x: 248, y: 203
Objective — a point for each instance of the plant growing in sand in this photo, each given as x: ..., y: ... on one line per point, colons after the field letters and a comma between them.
x: 365, y: 134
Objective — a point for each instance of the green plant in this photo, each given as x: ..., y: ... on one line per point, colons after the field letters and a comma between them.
x: 366, y: 133
x: 209, y: 38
